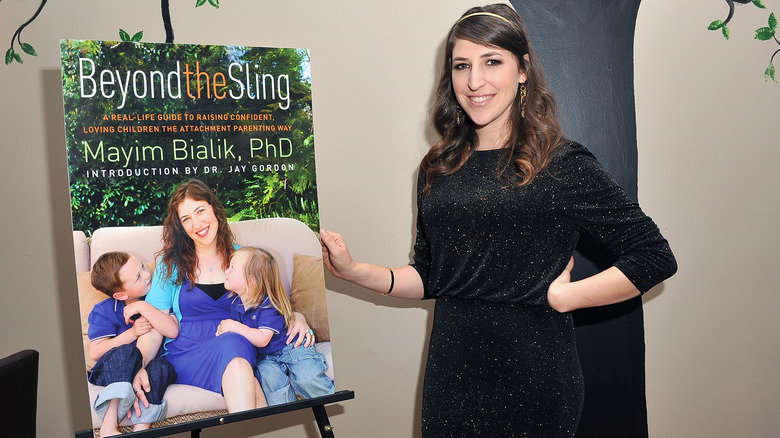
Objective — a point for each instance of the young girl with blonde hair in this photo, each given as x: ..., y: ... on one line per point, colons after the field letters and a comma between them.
x: 260, y: 314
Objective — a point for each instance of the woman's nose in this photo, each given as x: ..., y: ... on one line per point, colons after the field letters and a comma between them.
x: 476, y: 79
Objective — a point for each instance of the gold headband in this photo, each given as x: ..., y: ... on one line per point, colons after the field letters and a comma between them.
x: 490, y: 14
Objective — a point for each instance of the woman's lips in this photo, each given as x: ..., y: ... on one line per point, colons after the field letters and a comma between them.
x: 480, y: 100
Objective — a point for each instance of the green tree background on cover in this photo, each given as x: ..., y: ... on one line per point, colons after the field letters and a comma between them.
x: 141, y: 200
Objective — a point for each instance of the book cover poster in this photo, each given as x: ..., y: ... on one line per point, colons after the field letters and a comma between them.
x: 143, y: 118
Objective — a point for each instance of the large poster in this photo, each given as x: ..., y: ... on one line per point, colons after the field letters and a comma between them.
x: 143, y: 119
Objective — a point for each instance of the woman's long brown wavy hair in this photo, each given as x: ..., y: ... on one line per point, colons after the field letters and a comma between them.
x: 178, y: 251
x: 531, y: 140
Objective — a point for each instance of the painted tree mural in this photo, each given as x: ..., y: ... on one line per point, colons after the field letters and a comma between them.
x: 17, y: 45
x: 763, y: 33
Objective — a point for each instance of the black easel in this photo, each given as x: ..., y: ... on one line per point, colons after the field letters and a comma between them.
x: 317, y: 405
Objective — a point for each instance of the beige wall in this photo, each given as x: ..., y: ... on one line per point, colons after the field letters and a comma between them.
x: 707, y: 128
x: 700, y: 99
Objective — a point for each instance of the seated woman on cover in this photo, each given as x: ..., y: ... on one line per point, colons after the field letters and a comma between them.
x: 189, y: 281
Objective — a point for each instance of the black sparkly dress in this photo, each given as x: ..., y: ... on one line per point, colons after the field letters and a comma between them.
x: 501, y: 362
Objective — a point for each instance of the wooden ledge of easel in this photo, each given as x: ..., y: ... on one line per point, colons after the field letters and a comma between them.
x: 317, y: 404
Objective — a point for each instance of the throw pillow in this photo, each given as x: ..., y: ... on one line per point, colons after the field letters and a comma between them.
x: 307, y: 294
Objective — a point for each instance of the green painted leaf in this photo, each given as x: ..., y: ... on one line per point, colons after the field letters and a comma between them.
x: 9, y: 56
x: 214, y: 3
x: 18, y: 58
x: 715, y: 25
x: 28, y: 49
x: 124, y: 36
x: 769, y: 73
x: 759, y: 4
x: 764, y: 33
x: 772, y: 21
x: 200, y: 3
x: 137, y: 37
x: 726, y: 31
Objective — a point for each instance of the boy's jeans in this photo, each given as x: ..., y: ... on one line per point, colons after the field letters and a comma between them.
x: 116, y: 369
x: 292, y: 370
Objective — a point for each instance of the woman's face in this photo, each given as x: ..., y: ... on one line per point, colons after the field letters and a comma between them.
x: 485, y: 81
x: 198, y: 220
x: 234, y: 275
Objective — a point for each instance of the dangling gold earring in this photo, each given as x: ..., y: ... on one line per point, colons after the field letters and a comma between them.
x: 458, y: 113
x: 523, y: 93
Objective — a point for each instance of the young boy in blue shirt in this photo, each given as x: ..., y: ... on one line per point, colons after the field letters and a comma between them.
x: 114, y: 326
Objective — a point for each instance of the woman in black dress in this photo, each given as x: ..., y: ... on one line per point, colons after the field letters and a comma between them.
x: 502, y: 200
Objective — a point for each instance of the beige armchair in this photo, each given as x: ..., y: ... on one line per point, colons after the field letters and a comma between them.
x: 293, y: 244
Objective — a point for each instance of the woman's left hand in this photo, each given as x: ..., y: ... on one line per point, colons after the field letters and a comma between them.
x: 140, y: 386
x: 556, y: 291
x: 299, y: 327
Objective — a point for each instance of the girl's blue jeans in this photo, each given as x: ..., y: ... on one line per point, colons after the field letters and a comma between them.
x: 293, y: 370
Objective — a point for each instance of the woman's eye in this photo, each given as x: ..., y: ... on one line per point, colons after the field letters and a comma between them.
x: 494, y: 62
x: 460, y: 66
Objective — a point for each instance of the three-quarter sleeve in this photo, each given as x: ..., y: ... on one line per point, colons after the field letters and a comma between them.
x: 599, y: 206
x: 422, y: 251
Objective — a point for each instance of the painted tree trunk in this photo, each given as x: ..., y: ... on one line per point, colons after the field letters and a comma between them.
x: 586, y: 49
